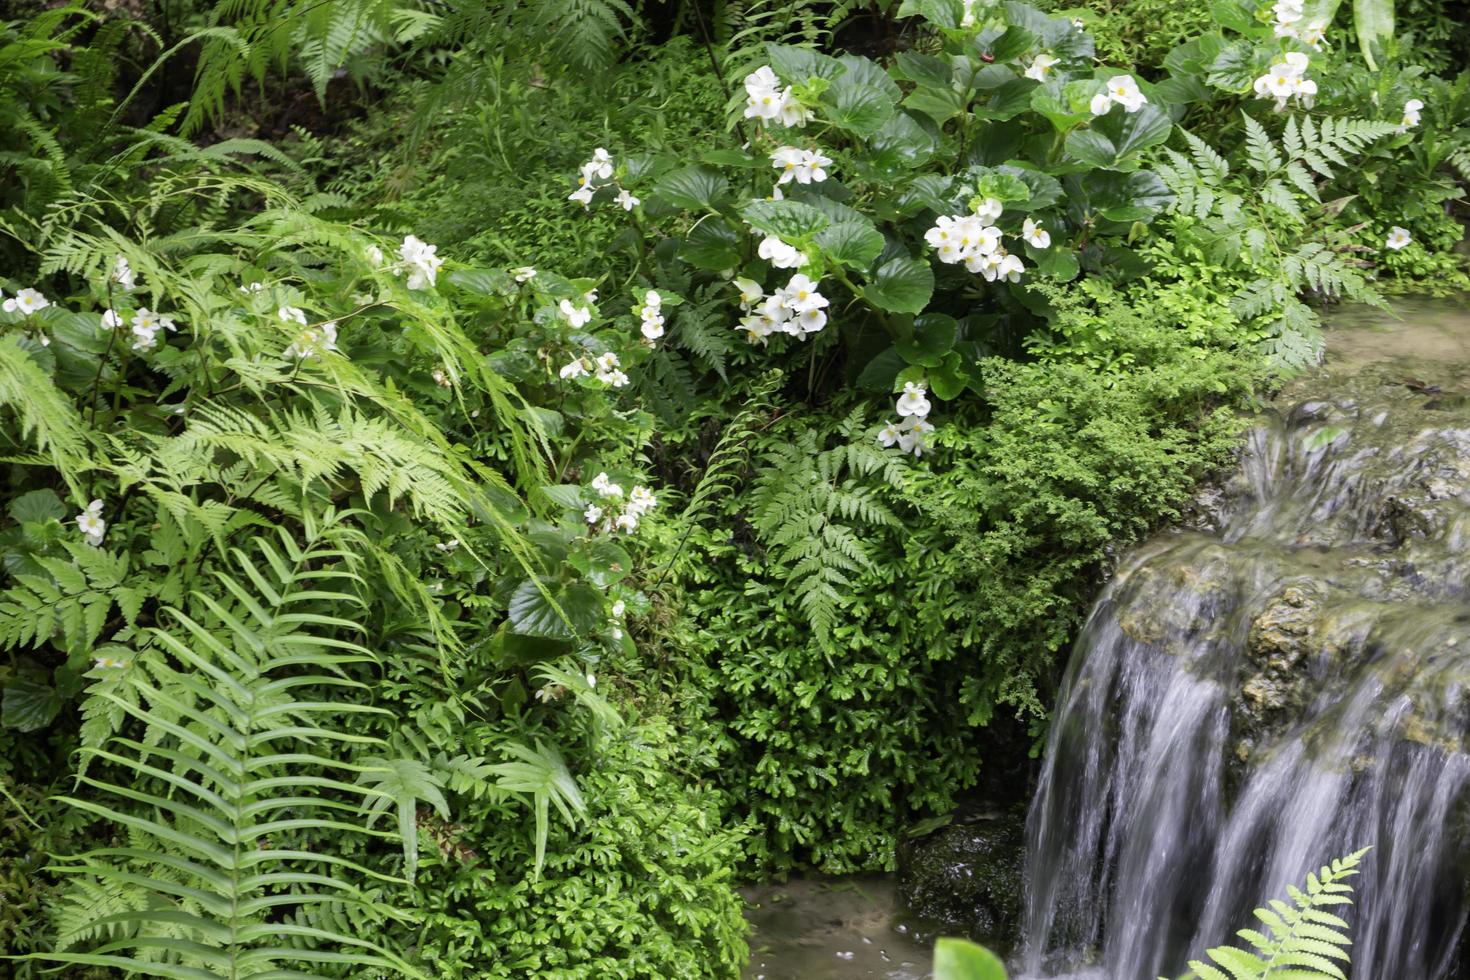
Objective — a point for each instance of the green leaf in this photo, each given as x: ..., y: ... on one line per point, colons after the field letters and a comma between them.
x: 939, y: 103
x: 38, y: 507
x: 712, y: 244
x: 1374, y: 21
x: 856, y: 244
x: 694, y: 188
x: 786, y: 219
x: 923, y: 69
x: 933, y: 336
x: 1114, y: 141
x: 603, y: 562
x: 484, y: 282
x: 901, y: 285
x: 531, y: 613
x: 1238, y: 15
x: 957, y: 959
x: 565, y: 495
x: 29, y: 705
x: 1014, y: 42
x: 799, y: 65
x: 1117, y: 196
x: 1235, y: 68
x: 879, y: 374
x: 902, y: 144
x: 940, y: 13
x: 858, y: 107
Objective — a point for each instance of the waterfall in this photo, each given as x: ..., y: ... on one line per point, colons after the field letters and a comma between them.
x: 1277, y: 685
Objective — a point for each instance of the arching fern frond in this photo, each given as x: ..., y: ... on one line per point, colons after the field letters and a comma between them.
x: 233, y: 755
x: 1302, y: 941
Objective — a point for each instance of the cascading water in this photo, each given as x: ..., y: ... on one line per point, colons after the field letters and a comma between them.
x: 1283, y: 684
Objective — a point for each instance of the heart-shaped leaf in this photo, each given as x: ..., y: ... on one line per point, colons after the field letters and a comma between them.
x: 901, y: 285
x: 1114, y: 141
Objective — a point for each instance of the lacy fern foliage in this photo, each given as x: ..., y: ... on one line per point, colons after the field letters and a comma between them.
x: 1303, y: 940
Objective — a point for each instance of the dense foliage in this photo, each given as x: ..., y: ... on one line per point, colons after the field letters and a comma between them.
x: 716, y: 494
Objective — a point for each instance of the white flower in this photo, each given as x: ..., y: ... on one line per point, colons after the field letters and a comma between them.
x: 423, y: 265
x: 912, y: 401
x: 914, y: 437
x: 1398, y: 238
x: 652, y: 328
x: 1040, y: 66
x: 146, y: 325
x: 313, y: 341
x: 1123, y: 90
x: 618, y: 608
x: 108, y: 663
x: 582, y: 195
x: 626, y: 522
x: 601, y: 164
x: 1286, y: 80
x: 524, y: 273
x: 627, y: 200
x: 800, y: 294
x: 763, y: 94
x: 1100, y: 104
x: 1314, y: 34
x: 967, y: 238
x: 254, y: 287
x: 1412, y: 108
x: 792, y: 114
x: 608, y: 361
x: 448, y: 547
x: 574, y: 369
x: 967, y: 16
x: 122, y: 273
x: 1035, y: 234
x: 616, y: 379
x: 780, y: 254
x: 91, y: 524
x: 1010, y: 268
x: 811, y: 321
x: 653, y: 299
x: 989, y: 210
x: 889, y: 435
x: 750, y: 293
x: 605, y: 487
x: 786, y: 159
x: 641, y: 500
x: 440, y: 378
x: 289, y: 313
x: 374, y: 257
x: 577, y: 316
x: 112, y: 319
x: 592, y: 679
x: 593, y: 513
x: 26, y: 302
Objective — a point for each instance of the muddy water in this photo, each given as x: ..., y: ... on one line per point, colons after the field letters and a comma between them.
x: 831, y: 929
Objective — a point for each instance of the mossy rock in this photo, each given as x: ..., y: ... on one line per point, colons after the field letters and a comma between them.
x: 966, y: 878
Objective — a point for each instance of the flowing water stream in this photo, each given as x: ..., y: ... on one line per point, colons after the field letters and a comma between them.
x: 1280, y: 684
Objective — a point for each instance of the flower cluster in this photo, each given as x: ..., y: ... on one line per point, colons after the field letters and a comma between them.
x: 91, y: 524
x: 797, y: 309
x: 145, y: 325
x: 1121, y: 90
x: 599, y: 168
x: 311, y: 339
x: 651, y: 316
x: 1412, y: 108
x: 577, y: 316
x: 614, y: 513
x: 1287, y: 80
x: 420, y: 261
x: 1291, y: 22
x: 768, y: 101
x: 802, y: 166
x: 911, y: 433
x: 970, y: 239
x: 605, y: 368
x: 1398, y: 238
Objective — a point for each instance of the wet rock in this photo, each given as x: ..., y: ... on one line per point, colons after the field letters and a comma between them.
x: 965, y: 878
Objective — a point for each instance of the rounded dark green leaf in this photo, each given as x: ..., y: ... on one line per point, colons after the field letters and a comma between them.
x: 1114, y: 141
x: 29, y: 705
x: 696, y: 188
x: 852, y: 243
x: 788, y: 219
x: 531, y: 613
x: 901, y: 285
x: 712, y: 244
x: 933, y: 337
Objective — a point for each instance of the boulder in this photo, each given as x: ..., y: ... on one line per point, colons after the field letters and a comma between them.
x: 965, y: 879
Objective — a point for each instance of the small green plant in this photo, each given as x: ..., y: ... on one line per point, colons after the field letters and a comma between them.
x: 959, y: 959
x: 1302, y: 941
